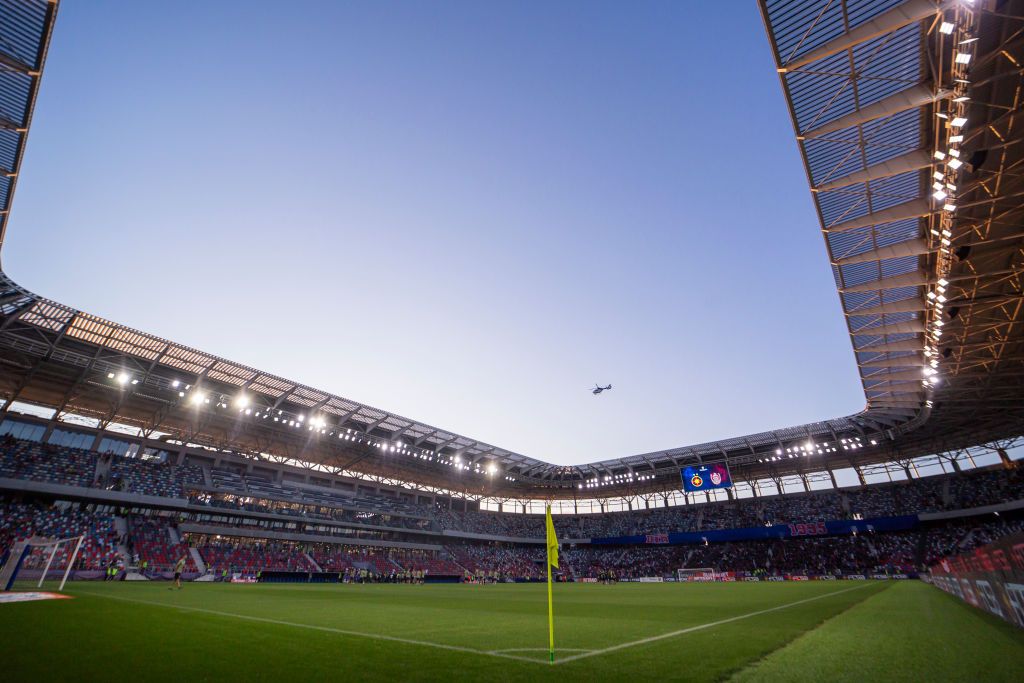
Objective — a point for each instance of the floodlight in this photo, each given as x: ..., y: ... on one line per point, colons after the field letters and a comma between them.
x: 946, y: 27
x: 958, y: 121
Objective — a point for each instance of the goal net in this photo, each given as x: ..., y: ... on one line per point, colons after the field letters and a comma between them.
x: 697, y: 574
x: 29, y: 563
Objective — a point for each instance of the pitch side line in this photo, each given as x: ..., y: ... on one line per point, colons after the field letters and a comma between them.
x: 700, y: 627
x: 326, y: 629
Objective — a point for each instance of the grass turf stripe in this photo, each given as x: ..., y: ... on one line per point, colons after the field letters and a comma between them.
x: 327, y: 629
x: 700, y: 627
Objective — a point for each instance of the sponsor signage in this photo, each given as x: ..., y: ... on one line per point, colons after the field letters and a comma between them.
x: 656, y: 538
x: 990, y: 578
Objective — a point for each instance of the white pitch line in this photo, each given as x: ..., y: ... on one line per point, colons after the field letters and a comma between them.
x: 457, y: 648
x: 539, y: 649
x: 700, y: 627
x: 327, y: 629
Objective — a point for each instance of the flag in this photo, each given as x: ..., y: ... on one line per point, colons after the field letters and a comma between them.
x: 552, y: 562
x: 552, y: 540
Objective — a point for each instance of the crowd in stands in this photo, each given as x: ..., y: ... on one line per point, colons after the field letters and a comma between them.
x: 21, y: 521
x: 357, y: 514
x: 45, y: 463
x: 505, y: 561
x: 149, y: 478
x: 236, y: 489
x: 250, y: 555
x: 152, y: 548
x: 310, y: 511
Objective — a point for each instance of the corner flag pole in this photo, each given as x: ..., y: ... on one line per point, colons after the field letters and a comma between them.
x: 551, y: 620
x: 552, y: 559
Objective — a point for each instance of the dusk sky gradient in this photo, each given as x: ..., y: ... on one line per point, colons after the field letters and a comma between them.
x: 466, y: 213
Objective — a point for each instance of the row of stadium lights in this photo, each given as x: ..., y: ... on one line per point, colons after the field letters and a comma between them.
x: 944, y: 187
x: 614, y: 480
x: 810, y: 448
x: 317, y: 425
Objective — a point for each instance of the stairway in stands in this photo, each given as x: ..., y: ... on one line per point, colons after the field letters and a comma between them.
x: 102, y: 470
x: 175, y: 536
x: 313, y: 562
x: 121, y: 527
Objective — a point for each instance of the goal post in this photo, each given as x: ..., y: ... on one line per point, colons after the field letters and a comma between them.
x: 697, y: 574
x: 43, y: 555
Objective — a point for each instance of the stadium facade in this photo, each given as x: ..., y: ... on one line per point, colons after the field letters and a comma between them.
x: 907, y: 116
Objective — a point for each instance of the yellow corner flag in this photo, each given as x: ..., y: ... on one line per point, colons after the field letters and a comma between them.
x: 552, y: 562
x: 552, y: 540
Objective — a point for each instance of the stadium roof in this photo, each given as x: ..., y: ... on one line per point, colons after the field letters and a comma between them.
x: 920, y: 212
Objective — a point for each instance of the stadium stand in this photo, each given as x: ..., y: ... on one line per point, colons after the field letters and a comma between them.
x: 245, y: 506
x: 152, y: 547
x: 20, y: 521
x: 38, y: 462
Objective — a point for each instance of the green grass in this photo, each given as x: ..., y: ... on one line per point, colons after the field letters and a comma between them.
x: 913, y: 632
x: 143, y: 631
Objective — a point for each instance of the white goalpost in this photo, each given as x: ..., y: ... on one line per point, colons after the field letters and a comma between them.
x: 48, y: 554
x: 697, y: 574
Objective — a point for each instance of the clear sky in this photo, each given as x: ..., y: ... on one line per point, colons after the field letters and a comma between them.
x: 467, y: 213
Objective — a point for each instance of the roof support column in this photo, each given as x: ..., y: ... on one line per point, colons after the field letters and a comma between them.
x: 1005, y: 458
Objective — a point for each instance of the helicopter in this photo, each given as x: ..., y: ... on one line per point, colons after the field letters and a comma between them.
x: 598, y: 389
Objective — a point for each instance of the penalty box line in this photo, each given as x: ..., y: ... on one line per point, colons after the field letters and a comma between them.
x: 325, y: 629
x: 700, y: 627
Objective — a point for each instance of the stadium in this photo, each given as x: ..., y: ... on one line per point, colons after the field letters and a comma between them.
x: 171, y: 514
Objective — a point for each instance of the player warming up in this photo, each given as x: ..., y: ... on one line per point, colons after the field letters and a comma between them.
x: 178, y: 569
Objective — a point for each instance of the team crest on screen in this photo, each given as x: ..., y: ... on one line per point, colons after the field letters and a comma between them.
x: 716, y: 478
x: 696, y: 480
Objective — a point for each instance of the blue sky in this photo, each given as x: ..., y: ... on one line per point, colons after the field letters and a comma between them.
x: 462, y: 212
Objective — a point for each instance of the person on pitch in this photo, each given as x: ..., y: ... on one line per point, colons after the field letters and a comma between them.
x: 178, y: 569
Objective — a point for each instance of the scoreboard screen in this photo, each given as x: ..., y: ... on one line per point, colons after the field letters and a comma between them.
x: 705, y: 477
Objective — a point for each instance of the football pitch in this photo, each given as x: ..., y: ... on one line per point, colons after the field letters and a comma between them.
x: 814, y: 631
